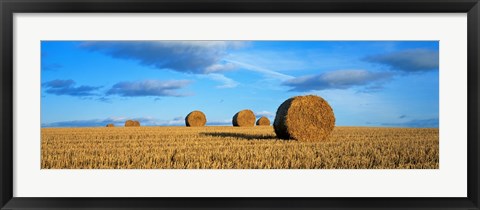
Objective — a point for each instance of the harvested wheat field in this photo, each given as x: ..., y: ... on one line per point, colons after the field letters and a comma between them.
x: 236, y: 148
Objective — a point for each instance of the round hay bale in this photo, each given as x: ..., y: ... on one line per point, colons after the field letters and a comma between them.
x: 129, y: 123
x: 244, y: 118
x: 136, y: 123
x: 304, y: 118
x: 195, y: 119
x: 110, y: 125
x: 263, y: 121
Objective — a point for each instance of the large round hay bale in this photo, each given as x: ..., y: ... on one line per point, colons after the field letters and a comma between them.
x: 195, y: 119
x: 244, y: 118
x: 110, y: 125
x: 304, y: 118
x: 136, y: 123
x: 129, y: 123
x: 263, y: 121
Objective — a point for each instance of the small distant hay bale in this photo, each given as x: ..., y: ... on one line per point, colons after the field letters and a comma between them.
x: 263, y: 121
x: 130, y: 123
x: 136, y: 123
x: 110, y: 125
x: 304, y: 118
x: 195, y: 119
x: 244, y: 118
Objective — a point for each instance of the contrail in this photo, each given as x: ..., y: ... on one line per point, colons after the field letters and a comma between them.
x: 262, y: 70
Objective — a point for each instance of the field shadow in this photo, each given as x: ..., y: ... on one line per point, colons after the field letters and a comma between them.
x: 241, y: 136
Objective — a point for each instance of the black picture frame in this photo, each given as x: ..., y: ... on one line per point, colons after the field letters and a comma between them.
x: 10, y: 7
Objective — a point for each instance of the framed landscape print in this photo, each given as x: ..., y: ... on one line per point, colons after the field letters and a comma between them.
x: 220, y: 77
x: 239, y: 105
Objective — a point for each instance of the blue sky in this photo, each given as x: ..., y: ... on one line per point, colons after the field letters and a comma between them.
x: 367, y: 83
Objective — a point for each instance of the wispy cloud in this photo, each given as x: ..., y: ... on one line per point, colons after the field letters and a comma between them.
x: 267, y: 72
x: 149, y: 88
x: 280, y: 60
x: 221, y: 67
x: 417, y: 123
x: 104, y: 99
x: 412, y: 60
x: 67, y: 87
x: 175, y: 121
x: 264, y: 113
x: 226, y: 82
x: 340, y: 79
x: 198, y: 57
x: 118, y: 121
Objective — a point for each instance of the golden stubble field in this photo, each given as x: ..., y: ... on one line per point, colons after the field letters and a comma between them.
x: 230, y: 147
